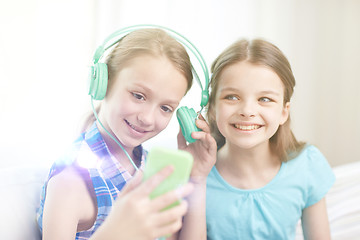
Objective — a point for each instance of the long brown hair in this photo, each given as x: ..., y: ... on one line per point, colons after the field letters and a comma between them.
x: 151, y: 41
x: 260, y: 52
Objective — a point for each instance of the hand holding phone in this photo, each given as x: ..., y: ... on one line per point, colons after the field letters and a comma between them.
x: 158, y: 158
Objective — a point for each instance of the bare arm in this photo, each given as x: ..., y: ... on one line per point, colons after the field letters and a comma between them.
x: 68, y: 206
x: 315, y: 222
x: 204, y: 153
x: 194, y: 224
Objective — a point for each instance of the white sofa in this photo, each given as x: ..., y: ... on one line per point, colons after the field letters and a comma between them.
x: 343, y: 204
x: 20, y: 191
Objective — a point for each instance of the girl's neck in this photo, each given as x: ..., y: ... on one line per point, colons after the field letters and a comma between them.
x: 257, y: 156
x: 247, y: 168
x: 118, y: 152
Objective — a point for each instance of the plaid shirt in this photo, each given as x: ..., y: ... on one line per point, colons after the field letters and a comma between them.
x: 108, y: 176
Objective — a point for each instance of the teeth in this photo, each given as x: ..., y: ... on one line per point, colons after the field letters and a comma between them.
x: 134, y: 127
x: 249, y: 127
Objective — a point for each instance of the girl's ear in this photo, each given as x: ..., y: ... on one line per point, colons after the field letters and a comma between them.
x: 285, y: 113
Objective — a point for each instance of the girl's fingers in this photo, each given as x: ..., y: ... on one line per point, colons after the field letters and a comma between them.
x: 169, y: 229
x: 172, y: 214
x: 170, y: 221
x: 170, y: 197
x: 181, y: 140
x: 212, y: 144
x: 201, y: 117
x: 133, y: 183
x: 199, y: 135
x: 205, y: 137
x: 201, y: 123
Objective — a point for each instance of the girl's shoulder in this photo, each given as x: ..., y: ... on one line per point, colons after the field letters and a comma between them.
x: 70, y: 176
x: 70, y: 191
x: 309, y: 166
x: 311, y: 170
x: 71, y: 182
x: 309, y: 155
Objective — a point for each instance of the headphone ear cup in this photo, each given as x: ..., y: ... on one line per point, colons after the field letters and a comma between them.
x: 186, y: 118
x: 98, y: 81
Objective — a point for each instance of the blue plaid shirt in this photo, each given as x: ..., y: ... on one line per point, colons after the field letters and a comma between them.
x: 108, y: 176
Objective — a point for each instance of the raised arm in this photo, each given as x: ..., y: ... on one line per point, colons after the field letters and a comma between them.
x: 204, y: 153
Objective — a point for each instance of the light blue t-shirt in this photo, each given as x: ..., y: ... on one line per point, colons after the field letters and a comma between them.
x: 270, y: 212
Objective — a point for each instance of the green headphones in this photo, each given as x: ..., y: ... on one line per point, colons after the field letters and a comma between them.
x: 99, y: 76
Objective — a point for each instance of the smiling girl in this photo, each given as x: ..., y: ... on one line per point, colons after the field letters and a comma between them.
x: 264, y: 180
x: 87, y: 195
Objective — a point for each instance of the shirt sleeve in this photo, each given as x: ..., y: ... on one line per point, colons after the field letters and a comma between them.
x: 320, y: 177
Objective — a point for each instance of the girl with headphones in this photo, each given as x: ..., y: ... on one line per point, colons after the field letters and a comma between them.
x: 87, y: 194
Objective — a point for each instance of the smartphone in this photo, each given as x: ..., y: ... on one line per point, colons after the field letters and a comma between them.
x: 160, y: 157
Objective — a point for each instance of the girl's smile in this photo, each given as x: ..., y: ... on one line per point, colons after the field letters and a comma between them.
x: 135, y: 110
x: 250, y: 104
x: 262, y: 172
x: 246, y: 126
x: 137, y: 130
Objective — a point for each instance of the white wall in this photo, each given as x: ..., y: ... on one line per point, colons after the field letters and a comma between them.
x: 46, y: 47
x: 319, y: 37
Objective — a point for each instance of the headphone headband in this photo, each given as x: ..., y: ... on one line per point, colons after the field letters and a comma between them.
x: 115, y: 37
x: 99, y: 79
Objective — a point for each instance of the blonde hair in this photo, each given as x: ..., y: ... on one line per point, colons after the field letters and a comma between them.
x: 259, y: 52
x: 152, y: 41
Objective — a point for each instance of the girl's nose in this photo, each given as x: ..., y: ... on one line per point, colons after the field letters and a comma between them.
x: 247, y: 109
x: 146, y: 116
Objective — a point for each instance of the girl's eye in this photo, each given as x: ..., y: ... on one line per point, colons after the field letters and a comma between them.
x: 138, y: 96
x: 166, y: 109
x: 265, y: 99
x: 231, y: 97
